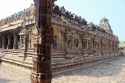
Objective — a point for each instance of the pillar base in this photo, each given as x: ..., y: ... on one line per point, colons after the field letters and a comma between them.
x: 41, y: 78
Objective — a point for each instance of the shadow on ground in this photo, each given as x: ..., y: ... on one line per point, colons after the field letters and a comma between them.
x: 109, y: 67
x: 4, y: 80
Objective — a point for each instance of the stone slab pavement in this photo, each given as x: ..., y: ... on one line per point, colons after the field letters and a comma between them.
x: 110, y: 71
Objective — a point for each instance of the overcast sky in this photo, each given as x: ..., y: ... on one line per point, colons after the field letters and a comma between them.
x: 91, y: 10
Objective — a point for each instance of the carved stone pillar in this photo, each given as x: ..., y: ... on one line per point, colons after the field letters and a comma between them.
x: 42, y: 61
x: 9, y: 41
x: 15, y: 41
x: 3, y: 42
x: 0, y: 41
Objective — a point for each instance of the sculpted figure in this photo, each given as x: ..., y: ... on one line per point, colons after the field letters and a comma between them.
x: 56, y: 10
x: 63, y: 10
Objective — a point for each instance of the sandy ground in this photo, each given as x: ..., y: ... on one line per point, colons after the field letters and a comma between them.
x: 111, y: 71
x: 12, y: 74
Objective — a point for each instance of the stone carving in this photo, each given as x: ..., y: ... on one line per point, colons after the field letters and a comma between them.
x: 104, y: 24
x: 58, y: 11
x: 17, y: 16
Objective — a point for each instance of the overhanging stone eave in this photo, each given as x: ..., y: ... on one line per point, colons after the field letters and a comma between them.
x: 10, y: 28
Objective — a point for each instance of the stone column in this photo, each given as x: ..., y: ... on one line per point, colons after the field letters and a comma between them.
x: 9, y: 42
x: 41, y: 72
x: 15, y: 45
x: 3, y: 41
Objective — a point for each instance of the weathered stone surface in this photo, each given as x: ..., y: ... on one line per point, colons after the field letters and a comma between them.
x: 105, y: 71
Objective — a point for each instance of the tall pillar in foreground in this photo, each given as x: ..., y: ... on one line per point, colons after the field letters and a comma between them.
x: 42, y: 61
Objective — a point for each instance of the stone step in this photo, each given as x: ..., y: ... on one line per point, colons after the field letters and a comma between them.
x: 18, y: 63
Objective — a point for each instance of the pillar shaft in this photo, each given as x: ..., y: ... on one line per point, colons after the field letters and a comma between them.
x: 3, y: 42
x: 9, y: 42
x: 15, y: 46
x: 42, y: 61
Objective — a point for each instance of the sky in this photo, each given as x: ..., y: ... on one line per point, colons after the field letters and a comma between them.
x: 91, y: 10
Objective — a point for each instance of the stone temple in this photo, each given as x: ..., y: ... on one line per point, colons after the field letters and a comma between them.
x: 75, y: 41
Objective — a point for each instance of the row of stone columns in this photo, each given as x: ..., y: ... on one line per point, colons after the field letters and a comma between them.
x: 9, y: 40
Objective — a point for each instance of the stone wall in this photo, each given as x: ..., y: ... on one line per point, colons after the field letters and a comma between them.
x: 74, y: 41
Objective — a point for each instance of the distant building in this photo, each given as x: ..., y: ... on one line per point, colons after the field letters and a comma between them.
x: 122, y: 44
x: 122, y: 48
